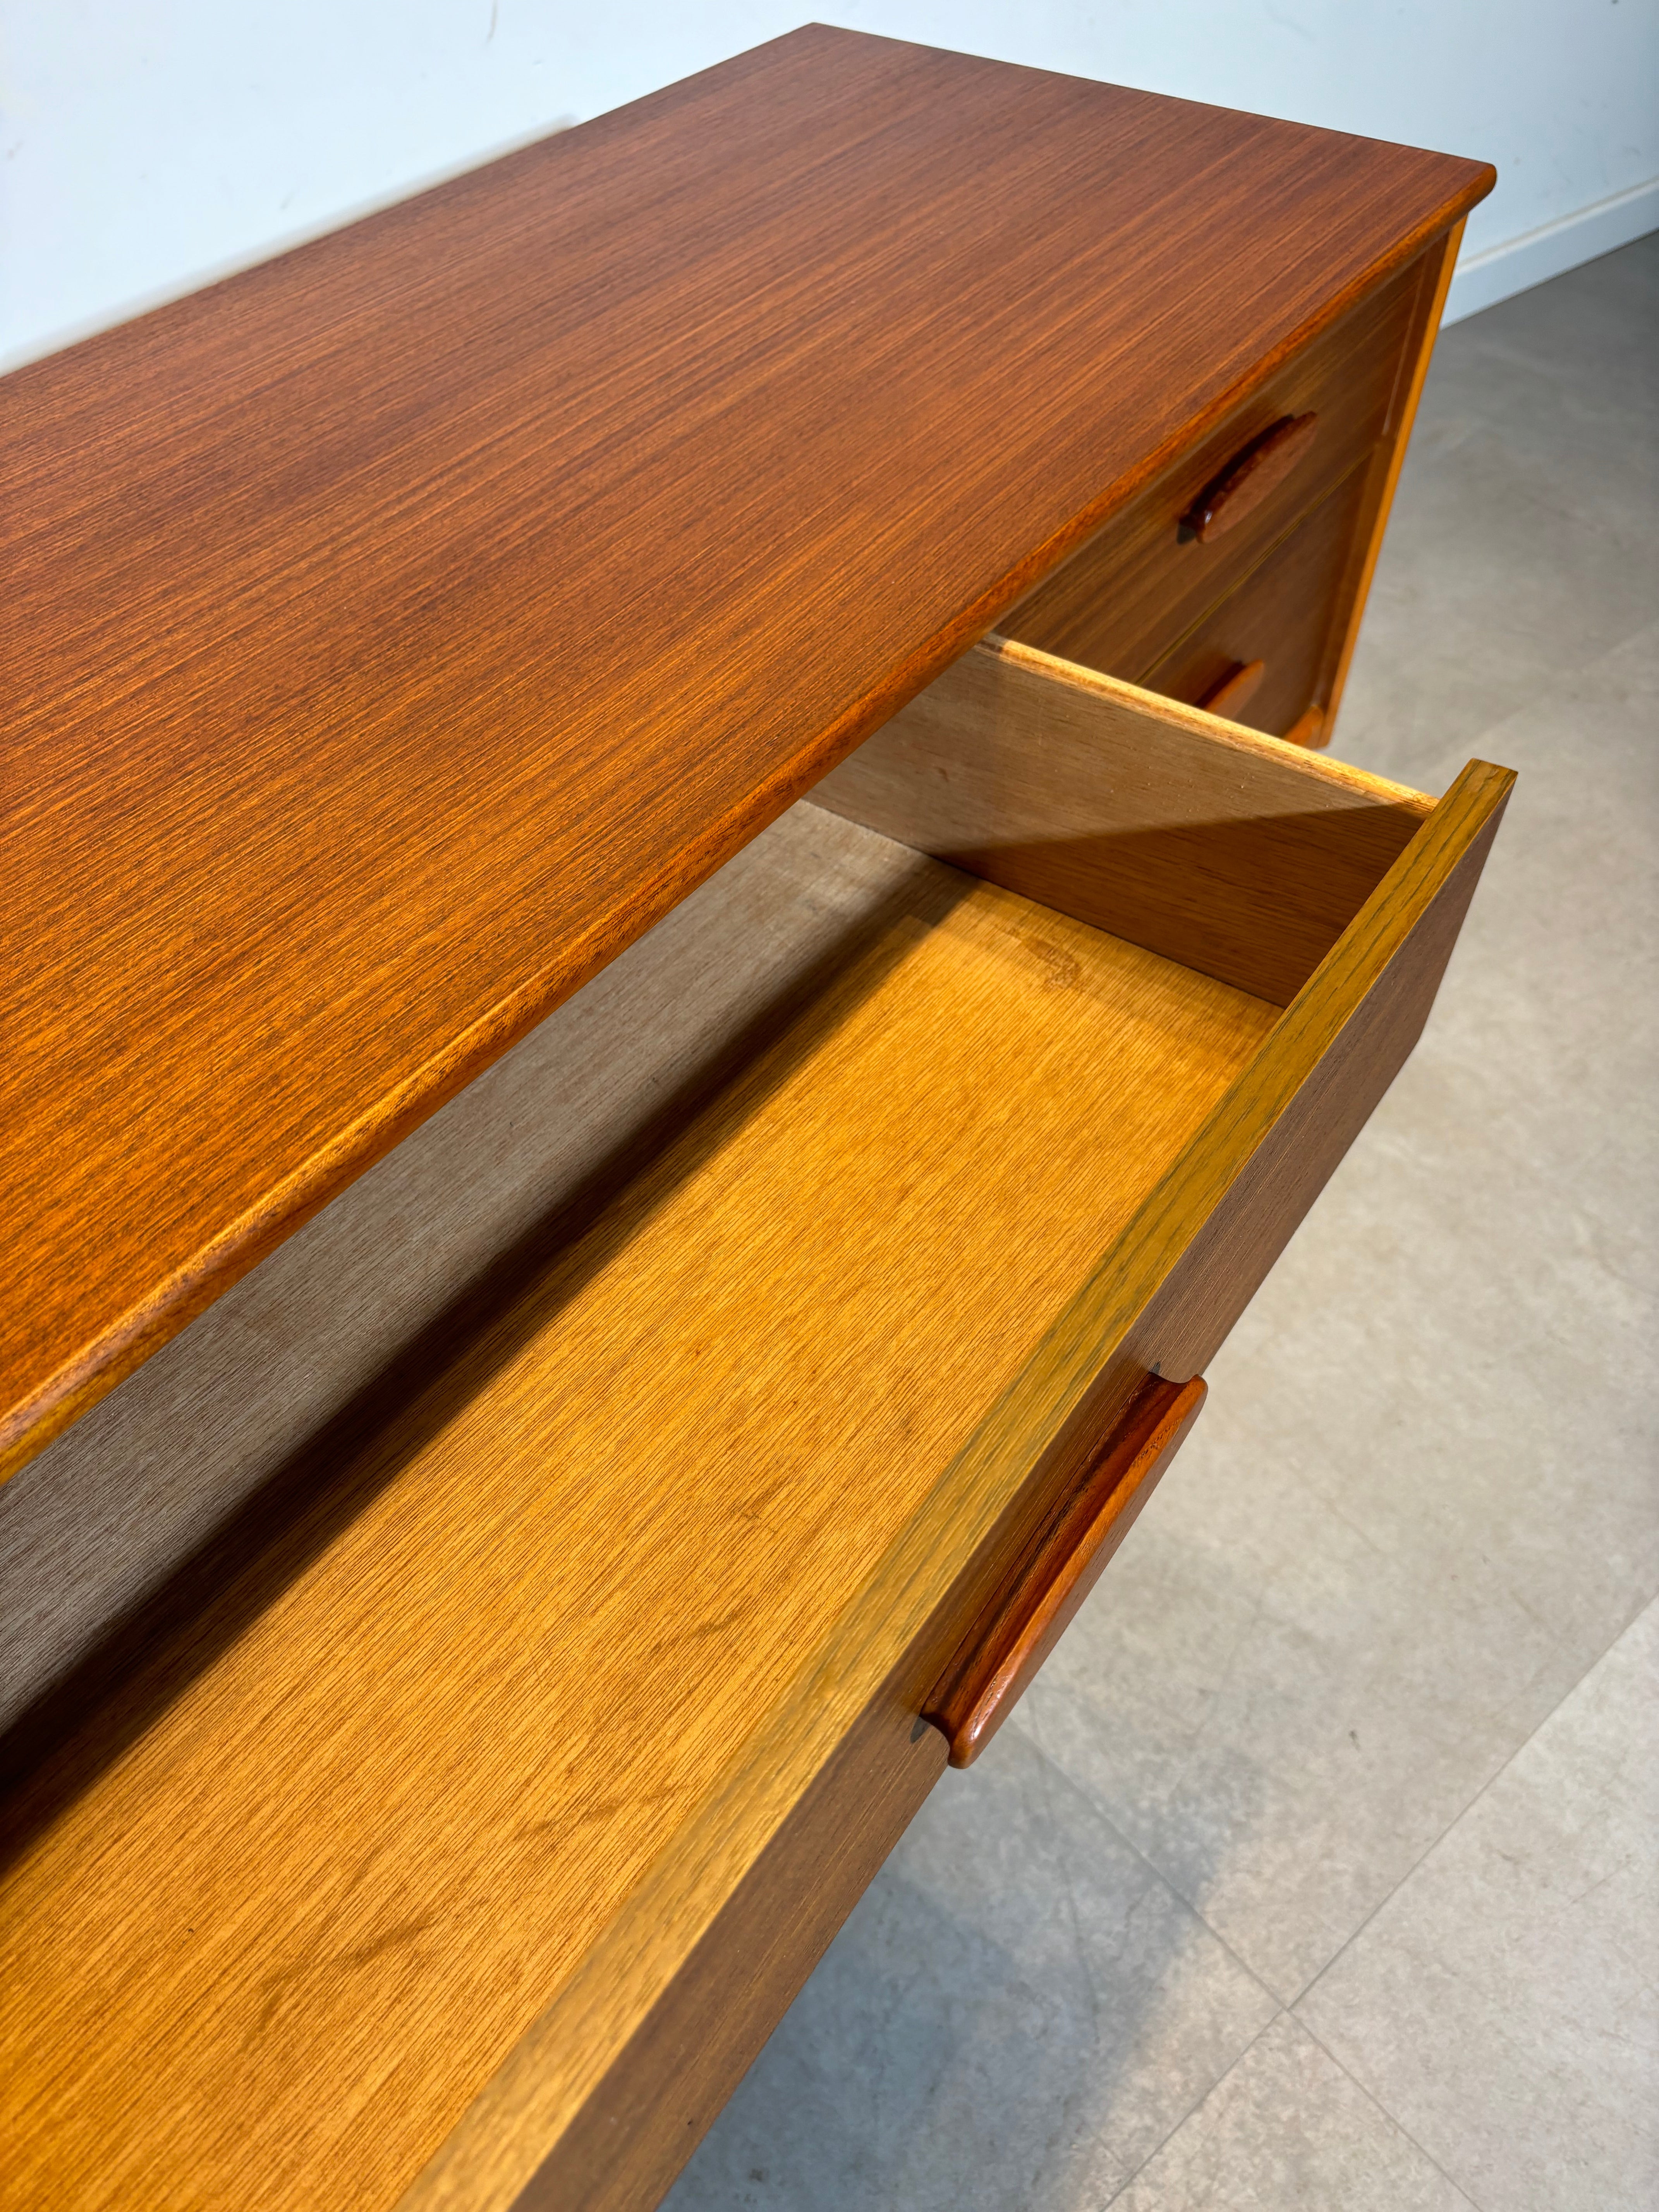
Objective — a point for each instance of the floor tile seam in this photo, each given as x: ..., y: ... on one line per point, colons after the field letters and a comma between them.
x: 1163, y: 1874
x: 1280, y: 2013
x: 1051, y: 1775
x: 1165, y: 1879
x: 1293, y: 2004
x: 1392, y: 2117
x: 1177, y: 1890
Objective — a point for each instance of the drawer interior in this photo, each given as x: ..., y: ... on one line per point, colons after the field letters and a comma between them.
x: 653, y: 1481
x: 1227, y: 851
x: 494, y: 1697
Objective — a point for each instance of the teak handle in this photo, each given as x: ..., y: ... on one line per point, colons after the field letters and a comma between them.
x: 982, y: 1689
x: 1308, y: 729
x: 1236, y: 688
x: 1254, y: 472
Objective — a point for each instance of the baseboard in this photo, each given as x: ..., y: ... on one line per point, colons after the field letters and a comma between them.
x: 1482, y: 279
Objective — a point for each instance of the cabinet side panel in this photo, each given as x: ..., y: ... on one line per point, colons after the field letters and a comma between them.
x: 1438, y: 263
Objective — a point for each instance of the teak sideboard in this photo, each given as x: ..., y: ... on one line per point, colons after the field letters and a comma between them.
x: 746, y: 652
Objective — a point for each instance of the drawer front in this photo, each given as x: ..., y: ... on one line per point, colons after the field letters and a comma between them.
x: 1042, y: 1478
x: 1123, y: 601
x: 1212, y: 1235
x: 1269, y: 639
x: 1332, y: 894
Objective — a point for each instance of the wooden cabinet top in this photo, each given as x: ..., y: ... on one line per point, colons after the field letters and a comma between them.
x: 399, y: 629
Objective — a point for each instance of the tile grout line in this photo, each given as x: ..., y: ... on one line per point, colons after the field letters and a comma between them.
x: 1054, y: 1773
x: 1393, y: 2119
x: 1226, y: 2075
x: 1498, y: 1772
x: 1157, y: 1872
x: 1051, y: 1775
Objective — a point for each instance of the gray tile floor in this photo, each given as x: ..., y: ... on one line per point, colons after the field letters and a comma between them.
x: 1319, y: 1869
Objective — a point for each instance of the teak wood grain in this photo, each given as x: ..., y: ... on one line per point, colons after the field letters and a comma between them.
x: 397, y: 630
x: 1132, y: 591
x: 1162, y: 1301
x: 290, y: 1370
x: 1250, y: 477
x: 1235, y: 691
x: 501, y: 1801
x: 1287, y: 614
x: 401, y: 1776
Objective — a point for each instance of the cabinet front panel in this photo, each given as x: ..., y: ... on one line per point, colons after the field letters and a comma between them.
x: 1122, y: 603
x: 1277, y: 626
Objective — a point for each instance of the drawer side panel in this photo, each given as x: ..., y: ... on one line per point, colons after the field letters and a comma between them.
x: 663, y: 2092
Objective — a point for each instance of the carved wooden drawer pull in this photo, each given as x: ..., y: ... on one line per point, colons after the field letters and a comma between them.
x: 982, y: 1689
x: 1253, y: 473
x: 1236, y: 688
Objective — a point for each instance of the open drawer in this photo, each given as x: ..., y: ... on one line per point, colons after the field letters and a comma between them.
x: 460, y: 1842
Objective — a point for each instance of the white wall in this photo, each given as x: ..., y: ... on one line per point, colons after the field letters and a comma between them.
x: 150, y: 144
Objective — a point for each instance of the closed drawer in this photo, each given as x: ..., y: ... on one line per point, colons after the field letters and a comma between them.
x: 1121, y: 602
x: 1274, y: 635
x: 471, y: 1824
